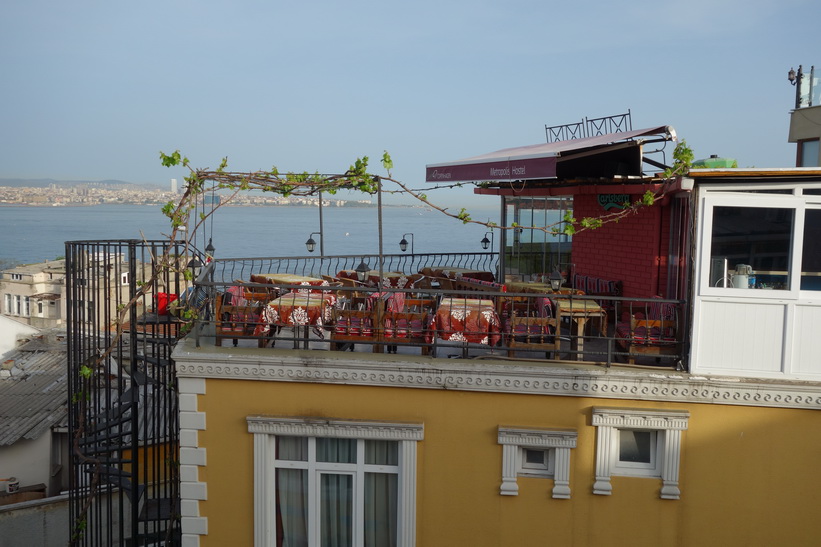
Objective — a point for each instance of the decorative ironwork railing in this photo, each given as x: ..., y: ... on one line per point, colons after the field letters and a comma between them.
x: 589, y: 127
x: 122, y: 392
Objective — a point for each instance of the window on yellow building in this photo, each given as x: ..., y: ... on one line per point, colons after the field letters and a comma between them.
x: 639, y: 443
x: 334, y: 482
x: 536, y: 453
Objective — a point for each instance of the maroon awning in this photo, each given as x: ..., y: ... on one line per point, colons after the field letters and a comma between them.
x: 537, y: 161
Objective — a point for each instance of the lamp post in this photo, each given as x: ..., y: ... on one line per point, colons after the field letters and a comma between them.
x: 556, y: 280
x: 195, y: 266
x: 311, y: 244
x: 362, y: 271
x: 403, y: 245
x: 795, y: 79
x: 210, y: 250
x: 487, y: 243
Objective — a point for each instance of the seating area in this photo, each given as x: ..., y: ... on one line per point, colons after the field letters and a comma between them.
x: 442, y: 313
x: 650, y: 328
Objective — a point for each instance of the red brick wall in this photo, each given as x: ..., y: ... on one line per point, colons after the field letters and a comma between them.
x: 633, y: 250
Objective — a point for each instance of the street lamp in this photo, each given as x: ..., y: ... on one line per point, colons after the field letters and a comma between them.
x: 403, y: 245
x: 362, y: 271
x: 311, y: 244
x: 195, y: 266
x: 795, y: 79
x: 556, y: 280
x: 210, y: 250
x: 487, y: 243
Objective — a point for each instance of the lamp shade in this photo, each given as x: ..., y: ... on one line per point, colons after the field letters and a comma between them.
x: 556, y: 280
x: 194, y: 266
x: 310, y: 244
x: 362, y: 271
x: 485, y: 243
x: 403, y: 245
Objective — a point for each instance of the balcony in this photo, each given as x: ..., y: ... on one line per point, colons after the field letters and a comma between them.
x: 440, y: 306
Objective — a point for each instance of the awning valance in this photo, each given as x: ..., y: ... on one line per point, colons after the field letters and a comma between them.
x: 537, y: 161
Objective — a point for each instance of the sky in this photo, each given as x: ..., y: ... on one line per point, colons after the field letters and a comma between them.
x: 94, y: 90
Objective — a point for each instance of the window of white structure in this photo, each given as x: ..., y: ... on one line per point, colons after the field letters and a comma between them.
x: 334, y: 482
x: 541, y: 453
x: 764, y: 232
x: 7, y: 304
x: 638, y: 443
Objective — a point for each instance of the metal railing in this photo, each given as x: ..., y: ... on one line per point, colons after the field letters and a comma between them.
x: 122, y: 392
x: 589, y: 127
x: 228, y: 270
x: 599, y: 329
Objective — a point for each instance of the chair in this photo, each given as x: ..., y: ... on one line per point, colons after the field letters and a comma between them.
x: 356, y: 325
x: 651, y: 331
x: 410, y: 325
x: 533, y: 334
x: 238, y: 316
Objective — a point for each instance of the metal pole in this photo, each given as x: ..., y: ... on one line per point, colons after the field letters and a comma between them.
x: 379, y: 212
x: 321, y: 229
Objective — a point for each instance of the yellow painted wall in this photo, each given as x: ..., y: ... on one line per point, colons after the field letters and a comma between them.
x: 748, y: 475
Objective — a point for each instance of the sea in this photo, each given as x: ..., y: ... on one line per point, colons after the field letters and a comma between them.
x: 35, y: 234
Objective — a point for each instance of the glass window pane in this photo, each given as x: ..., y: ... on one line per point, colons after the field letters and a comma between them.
x: 335, y: 450
x: 809, y: 154
x: 336, y: 510
x: 535, y: 456
x: 636, y: 446
x: 380, y: 509
x: 292, y: 507
x: 751, y: 245
x: 292, y: 448
x: 811, y: 253
x: 381, y: 452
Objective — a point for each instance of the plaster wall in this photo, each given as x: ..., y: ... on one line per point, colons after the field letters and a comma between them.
x: 747, y: 473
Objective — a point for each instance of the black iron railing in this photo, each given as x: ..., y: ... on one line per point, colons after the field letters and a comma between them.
x: 589, y: 127
x: 122, y: 390
x: 564, y: 326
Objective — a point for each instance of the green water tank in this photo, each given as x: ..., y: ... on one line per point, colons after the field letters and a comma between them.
x: 714, y: 162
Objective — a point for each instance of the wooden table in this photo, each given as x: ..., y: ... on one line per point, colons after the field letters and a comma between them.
x: 299, y: 310
x: 397, y: 280
x: 472, y: 273
x: 537, y: 287
x: 287, y: 279
x: 466, y: 320
x: 579, y: 312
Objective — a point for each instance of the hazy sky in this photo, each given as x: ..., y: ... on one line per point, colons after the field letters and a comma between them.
x: 94, y: 90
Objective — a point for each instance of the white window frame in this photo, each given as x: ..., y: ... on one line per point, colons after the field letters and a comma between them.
x: 639, y: 469
x: 746, y: 200
x: 555, y: 442
x: 668, y: 425
x: 7, y: 304
x: 265, y: 430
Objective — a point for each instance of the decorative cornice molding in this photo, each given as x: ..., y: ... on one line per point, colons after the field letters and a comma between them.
x: 348, y: 429
x: 487, y: 376
x: 640, y: 418
x: 538, y: 438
